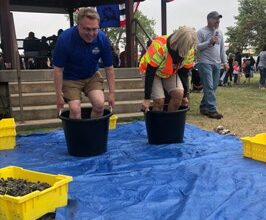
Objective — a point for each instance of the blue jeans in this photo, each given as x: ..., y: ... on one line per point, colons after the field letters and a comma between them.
x: 262, y: 71
x: 209, y: 74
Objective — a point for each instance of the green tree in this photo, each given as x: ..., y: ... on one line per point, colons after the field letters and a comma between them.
x: 250, y: 28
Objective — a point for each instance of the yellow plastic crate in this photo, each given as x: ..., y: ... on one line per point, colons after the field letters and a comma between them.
x: 255, y: 147
x: 112, y: 121
x: 37, y: 203
x: 7, y: 133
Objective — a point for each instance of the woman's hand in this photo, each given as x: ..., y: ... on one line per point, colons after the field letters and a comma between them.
x: 145, y: 105
x: 185, y: 102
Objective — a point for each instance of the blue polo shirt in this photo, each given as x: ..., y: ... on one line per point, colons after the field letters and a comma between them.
x: 78, y: 58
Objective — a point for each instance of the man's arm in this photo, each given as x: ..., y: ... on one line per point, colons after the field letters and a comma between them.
x: 58, y: 82
x: 110, y: 76
x: 202, y: 43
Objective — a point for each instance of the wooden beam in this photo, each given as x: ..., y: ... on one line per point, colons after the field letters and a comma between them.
x: 5, y: 27
x: 163, y: 14
x: 129, y: 40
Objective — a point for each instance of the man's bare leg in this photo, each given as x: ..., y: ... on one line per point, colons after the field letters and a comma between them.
x: 97, y: 100
x: 74, y: 109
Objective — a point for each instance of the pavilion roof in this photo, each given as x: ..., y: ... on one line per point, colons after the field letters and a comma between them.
x: 57, y: 6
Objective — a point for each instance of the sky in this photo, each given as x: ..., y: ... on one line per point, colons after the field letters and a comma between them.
x: 179, y: 12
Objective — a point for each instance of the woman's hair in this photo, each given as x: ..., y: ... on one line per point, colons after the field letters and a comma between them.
x: 87, y: 12
x: 183, y: 39
x: 264, y: 48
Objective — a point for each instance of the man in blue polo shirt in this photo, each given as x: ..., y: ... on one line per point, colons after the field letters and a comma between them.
x: 76, y: 55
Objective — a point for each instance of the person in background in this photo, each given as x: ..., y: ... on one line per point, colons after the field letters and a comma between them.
x: 115, y: 57
x: 44, y: 53
x: 212, y: 54
x: 31, y: 46
x: 52, y: 42
x: 252, y: 66
x: 54, y: 38
x: 76, y: 56
x: 229, y: 73
x: 122, y: 57
x: 236, y: 72
x: 160, y: 64
x: 262, y: 67
x: 238, y: 58
x: 246, y: 69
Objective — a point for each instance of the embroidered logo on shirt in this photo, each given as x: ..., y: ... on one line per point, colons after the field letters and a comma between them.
x: 95, y: 50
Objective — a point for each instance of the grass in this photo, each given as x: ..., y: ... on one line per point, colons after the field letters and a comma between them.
x: 243, y: 107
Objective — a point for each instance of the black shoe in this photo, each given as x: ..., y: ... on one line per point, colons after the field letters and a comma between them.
x: 215, y: 115
x: 204, y: 112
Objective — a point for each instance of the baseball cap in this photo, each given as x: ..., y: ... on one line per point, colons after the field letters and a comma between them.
x: 214, y: 14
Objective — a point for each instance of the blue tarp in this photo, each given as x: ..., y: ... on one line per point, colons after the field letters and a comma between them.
x: 206, y: 177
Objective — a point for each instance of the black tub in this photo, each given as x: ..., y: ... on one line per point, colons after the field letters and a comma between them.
x: 86, y: 137
x: 166, y: 127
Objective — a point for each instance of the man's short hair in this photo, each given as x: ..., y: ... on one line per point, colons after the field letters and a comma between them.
x: 88, y: 12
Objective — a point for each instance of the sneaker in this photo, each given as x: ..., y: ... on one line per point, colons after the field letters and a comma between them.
x: 215, y: 115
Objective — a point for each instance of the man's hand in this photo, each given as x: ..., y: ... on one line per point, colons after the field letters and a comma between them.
x: 58, y: 81
x: 111, y: 99
x: 60, y: 103
x: 214, y: 39
x: 145, y: 105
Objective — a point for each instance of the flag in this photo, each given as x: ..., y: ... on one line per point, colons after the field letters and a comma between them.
x: 109, y: 15
x: 113, y: 15
x: 122, y: 9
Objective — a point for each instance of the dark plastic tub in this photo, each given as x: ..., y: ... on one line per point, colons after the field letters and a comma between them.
x: 86, y: 137
x: 166, y: 127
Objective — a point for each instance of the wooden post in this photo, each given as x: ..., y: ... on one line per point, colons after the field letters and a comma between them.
x: 17, y: 65
x: 130, y: 53
x: 5, y: 26
x: 71, y: 17
x: 164, y: 15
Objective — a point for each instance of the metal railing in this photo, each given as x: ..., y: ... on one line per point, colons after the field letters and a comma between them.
x: 137, y: 27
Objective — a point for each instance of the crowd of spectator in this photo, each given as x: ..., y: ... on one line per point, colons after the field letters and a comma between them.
x: 240, y: 66
x: 38, y: 52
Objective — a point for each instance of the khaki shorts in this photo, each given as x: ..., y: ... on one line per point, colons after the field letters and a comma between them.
x: 169, y: 84
x: 72, y: 88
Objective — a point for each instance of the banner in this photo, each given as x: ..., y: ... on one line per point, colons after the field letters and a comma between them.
x: 109, y: 15
x: 112, y: 15
x: 122, y: 8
